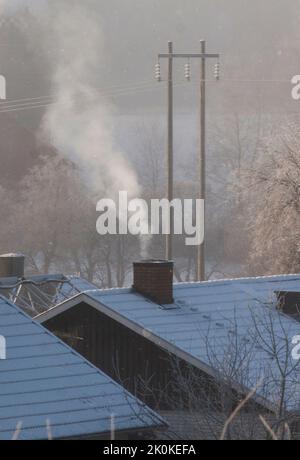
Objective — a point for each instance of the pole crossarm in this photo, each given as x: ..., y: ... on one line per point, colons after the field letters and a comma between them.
x: 189, y: 56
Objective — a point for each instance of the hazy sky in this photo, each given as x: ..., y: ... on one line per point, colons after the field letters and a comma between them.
x: 12, y: 5
x: 257, y: 40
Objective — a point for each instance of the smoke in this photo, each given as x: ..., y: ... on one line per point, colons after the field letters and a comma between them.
x: 80, y: 124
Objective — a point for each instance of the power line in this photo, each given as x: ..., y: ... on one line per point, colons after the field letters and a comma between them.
x: 107, y: 90
x: 113, y: 91
x: 17, y: 109
x: 13, y: 101
x: 139, y: 86
x: 19, y: 104
x: 25, y: 104
x: 37, y: 104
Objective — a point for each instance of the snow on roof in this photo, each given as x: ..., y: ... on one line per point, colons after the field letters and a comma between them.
x: 43, y: 382
x: 207, y: 319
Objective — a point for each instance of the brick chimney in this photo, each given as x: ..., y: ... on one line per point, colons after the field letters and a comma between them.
x: 12, y: 265
x: 154, y: 279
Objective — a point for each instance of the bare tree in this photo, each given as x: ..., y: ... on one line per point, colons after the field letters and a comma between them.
x: 45, y: 213
x: 250, y: 391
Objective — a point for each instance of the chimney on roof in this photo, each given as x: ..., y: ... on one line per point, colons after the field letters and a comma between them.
x: 289, y: 302
x: 154, y: 279
x: 12, y: 265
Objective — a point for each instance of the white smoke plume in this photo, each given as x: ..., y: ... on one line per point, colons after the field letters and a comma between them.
x: 79, y: 123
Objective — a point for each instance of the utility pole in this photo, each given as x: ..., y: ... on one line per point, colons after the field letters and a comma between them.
x: 170, y: 169
x: 200, y: 270
x: 200, y: 264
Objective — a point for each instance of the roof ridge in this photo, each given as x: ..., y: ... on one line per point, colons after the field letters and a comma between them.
x: 246, y: 278
x: 121, y: 290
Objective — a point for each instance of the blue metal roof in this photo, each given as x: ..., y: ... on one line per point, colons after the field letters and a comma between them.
x: 44, y: 382
x: 207, y: 319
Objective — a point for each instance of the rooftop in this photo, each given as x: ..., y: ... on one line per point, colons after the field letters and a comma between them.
x: 207, y: 320
x: 44, y: 383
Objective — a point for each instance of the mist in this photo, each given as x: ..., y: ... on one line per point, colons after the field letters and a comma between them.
x: 196, y: 214
x: 79, y: 123
x: 91, y: 67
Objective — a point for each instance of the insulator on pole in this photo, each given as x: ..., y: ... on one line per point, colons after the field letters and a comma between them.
x: 217, y: 71
x: 157, y: 72
x: 187, y: 71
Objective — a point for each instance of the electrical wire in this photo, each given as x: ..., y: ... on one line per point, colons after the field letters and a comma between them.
x: 30, y: 99
x: 17, y: 109
x: 113, y: 91
x: 41, y: 104
x: 43, y: 101
x: 50, y: 97
x: 24, y: 104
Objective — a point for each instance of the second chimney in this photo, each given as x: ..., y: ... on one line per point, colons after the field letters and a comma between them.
x: 12, y: 265
x: 154, y: 279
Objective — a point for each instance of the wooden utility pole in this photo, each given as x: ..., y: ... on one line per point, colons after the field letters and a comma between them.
x: 200, y: 270
x: 170, y: 169
x: 200, y: 264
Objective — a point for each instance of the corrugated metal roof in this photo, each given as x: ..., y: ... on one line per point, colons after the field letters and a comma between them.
x: 43, y: 381
x: 209, y: 319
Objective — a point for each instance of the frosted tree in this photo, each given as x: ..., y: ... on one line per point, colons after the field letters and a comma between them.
x: 273, y: 196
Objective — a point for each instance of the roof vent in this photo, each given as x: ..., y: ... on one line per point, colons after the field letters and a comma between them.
x: 154, y: 279
x: 289, y: 302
